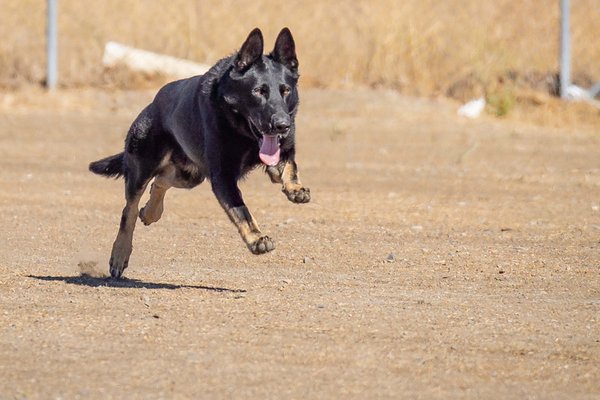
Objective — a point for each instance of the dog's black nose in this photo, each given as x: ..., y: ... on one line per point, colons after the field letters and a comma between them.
x: 281, y: 123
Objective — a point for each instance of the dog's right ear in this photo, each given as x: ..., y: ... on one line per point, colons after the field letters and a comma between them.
x: 285, y: 50
x: 251, y: 50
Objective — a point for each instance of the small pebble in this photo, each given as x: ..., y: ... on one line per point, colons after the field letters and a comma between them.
x: 391, y: 258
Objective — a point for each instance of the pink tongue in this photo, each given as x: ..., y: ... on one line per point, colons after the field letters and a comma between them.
x: 269, y: 150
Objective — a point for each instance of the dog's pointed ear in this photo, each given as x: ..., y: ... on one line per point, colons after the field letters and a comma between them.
x: 251, y: 50
x: 285, y: 50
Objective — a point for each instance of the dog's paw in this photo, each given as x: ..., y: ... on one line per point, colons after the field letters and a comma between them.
x: 119, y: 259
x: 263, y: 245
x: 299, y: 196
x: 150, y: 215
x: 117, y: 267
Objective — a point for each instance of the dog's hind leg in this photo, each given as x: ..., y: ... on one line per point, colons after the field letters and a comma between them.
x: 182, y: 175
x: 135, y: 185
x: 153, y: 209
x: 142, y: 158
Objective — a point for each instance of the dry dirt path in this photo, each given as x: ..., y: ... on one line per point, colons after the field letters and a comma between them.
x: 492, y: 289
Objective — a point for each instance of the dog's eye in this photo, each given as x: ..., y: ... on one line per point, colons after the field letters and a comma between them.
x: 260, y: 91
x: 285, y: 90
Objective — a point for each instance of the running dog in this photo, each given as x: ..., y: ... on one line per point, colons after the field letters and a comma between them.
x: 220, y: 125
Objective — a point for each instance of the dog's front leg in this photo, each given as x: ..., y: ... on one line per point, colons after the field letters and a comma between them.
x: 286, y: 173
x: 230, y: 198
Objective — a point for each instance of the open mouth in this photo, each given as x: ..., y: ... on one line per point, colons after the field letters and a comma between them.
x: 269, y: 152
x: 254, y: 129
x: 259, y: 135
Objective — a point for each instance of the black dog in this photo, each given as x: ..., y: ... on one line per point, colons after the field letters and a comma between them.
x: 219, y: 125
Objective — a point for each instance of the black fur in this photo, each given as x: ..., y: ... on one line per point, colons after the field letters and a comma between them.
x: 211, y: 126
x: 111, y: 166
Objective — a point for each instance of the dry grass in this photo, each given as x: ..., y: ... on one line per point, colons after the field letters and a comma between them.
x: 419, y: 47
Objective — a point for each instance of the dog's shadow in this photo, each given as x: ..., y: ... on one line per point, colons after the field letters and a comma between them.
x: 92, y: 281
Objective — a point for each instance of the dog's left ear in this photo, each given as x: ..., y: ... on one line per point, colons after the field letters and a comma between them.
x: 285, y: 50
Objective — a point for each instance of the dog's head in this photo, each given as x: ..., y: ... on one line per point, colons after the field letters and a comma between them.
x: 261, y: 91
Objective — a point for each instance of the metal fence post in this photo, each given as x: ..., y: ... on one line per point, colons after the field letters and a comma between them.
x: 565, y: 48
x: 52, y: 43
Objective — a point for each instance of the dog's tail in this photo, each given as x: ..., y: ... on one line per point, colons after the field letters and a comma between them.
x: 111, y: 166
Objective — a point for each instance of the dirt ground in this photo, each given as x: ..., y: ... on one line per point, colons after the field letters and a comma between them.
x: 439, y: 258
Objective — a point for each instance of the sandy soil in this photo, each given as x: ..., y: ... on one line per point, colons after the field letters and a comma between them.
x: 439, y: 258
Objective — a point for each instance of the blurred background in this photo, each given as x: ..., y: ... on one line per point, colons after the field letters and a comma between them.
x: 505, y: 50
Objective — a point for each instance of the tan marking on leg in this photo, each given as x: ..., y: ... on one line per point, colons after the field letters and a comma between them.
x: 290, y: 178
x: 122, y: 246
x: 275, y: 173
x: 153, y: 209
x: 245, y: 223
x: 291, y: 185
x: 249, y: 230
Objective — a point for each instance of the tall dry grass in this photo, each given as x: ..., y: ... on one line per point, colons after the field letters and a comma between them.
x: 419, y: 46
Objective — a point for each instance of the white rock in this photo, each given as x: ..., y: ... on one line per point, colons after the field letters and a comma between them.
x: 472, y: 109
